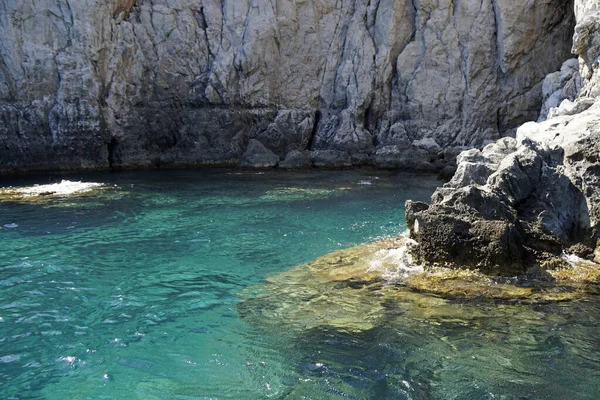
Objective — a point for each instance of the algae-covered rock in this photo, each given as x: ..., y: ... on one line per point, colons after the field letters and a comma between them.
x: 579, y: 272
x: 366, y: 286
x: 298, y: 193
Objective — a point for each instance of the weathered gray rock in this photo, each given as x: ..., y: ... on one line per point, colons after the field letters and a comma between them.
x: 568, y: 107
x: 560, y: 86
x: 518, y: 202
x: 296, y: 160
x: 361, y: 159
x: 330, y: 159
x: 290, y: 130
x: 258, y: 156
x: 586, y: 44
x: 411, y: 158
x: 523, y: 202
x: 428, y: 144
x: 123, y: 83
x: 447, y: 173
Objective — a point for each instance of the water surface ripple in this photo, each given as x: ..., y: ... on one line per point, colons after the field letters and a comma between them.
x: 133, y: 293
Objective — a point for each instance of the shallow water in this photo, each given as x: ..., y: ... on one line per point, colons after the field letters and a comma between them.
x: 135, y: 293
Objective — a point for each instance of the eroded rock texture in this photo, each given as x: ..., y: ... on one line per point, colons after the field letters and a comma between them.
x: 526, y: 201
x: 125, y: 83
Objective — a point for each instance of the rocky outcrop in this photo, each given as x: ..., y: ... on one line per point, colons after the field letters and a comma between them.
x: 258, y: 156
x: 124, y: 83
x: 524, y: 202
x: 560, y: 86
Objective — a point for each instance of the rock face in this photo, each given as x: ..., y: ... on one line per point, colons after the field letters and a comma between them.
x: 559, y: 86
x: 525, y: 201
x: 125, y: 83
x: 258, y: 156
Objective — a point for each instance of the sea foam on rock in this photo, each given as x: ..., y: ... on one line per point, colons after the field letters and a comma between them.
x: 361, y: 288
x: 65, y: 188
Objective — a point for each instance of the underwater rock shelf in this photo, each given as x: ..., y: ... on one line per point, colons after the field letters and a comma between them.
x: 363, y: 287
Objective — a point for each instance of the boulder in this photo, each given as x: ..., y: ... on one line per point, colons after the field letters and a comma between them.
x: 519, y: 202
x: 404, y: 158
x: 296, y: 160
x: 258, y: 156
x: 560, y: 86
x: 330, y: 159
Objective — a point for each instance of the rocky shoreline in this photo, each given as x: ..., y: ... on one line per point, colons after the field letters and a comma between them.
x: 521, y: 204
x: 183, y: 85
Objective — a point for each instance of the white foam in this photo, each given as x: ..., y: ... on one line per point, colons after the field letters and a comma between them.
x: 576, y: 260
x: 395, y: 265
x: 64, y: 188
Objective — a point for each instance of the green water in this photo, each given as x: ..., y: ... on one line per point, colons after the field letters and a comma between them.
x: 133, y: 294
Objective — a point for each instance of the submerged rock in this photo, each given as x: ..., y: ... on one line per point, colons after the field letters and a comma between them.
x: 359, y: 288
x: 297, y: 194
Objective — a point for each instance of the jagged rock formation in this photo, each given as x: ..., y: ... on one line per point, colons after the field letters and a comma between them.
x: 125, y: 83
x: 523, y: 202
x: 559, y: 86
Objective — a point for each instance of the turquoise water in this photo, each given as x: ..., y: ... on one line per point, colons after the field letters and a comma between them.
x: 133, y: 293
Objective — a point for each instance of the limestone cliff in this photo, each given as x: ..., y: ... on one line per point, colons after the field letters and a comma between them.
x: 524, y: 202
x: 126, y: 83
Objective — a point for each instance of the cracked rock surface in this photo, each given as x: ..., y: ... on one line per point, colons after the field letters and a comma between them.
x: 123, y: 83
x: 526, y: 202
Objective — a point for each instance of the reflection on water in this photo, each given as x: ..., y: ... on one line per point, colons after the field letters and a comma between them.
x: 134, y: 293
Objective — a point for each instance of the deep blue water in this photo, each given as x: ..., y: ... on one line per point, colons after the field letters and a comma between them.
x: 133, y: 293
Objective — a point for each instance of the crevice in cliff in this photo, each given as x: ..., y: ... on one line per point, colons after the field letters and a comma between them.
x: 344, y: 34
x: 464, y: 63
x: 370, y: 17
x: 204, y: 27
x: 110, y: 149
x: 151, y: 37
x: 419, y: 37
x: 71, y: 23
x: 313, y: 133
x: 499, y: 36
x: 395, y: 91
x: 222, y: 23
x: 328, y: 61
x: 413, y: 3
x: 370, y: 121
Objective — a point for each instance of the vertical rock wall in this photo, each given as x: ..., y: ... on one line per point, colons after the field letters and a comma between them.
x: 124, y: 83
x: 525, y: 202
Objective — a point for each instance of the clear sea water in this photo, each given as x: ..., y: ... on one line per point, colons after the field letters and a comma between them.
x: 133, y: 293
